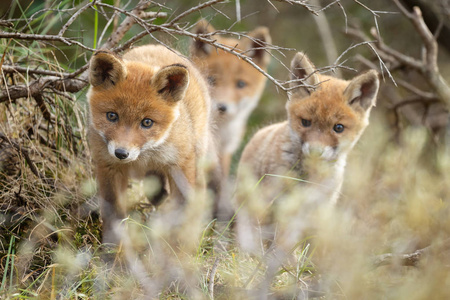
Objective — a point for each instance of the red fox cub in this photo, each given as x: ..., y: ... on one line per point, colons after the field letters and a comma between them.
x: 235, y: 85
x: 325, y: 118
x: 149, y: 114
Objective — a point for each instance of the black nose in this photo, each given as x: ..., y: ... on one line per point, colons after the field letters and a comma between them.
x: 121, y: 153
x: 222, y: 107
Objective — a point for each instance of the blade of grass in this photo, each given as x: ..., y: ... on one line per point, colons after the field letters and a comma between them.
x: 5, y: 274
x: 13, y: 254
x: 95, y: 25
x: 203, y: 238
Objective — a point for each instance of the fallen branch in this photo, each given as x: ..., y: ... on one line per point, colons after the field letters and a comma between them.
x: 410, y: 259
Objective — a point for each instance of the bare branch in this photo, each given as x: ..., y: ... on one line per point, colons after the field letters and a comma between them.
x: 326, y: 36
x: 75, y: 16
x: 429, y: 67
x: 404, y: 59
x: 193, y: 9
x: 36, y: 87
x: 136, y: 13
x: 302, y: 3
x: 42, y: 37
x: 410, y: 259
x: 14, y: 69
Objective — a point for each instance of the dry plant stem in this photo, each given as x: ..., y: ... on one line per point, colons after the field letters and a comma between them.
x: 193, y: 9
x: 423, y: 94
x: 413, y: 100
x: 303, y: 3
x: 327, y: 37
x: 37, y: 87
x: 68, y: 83
x: 24, y: 153
x: 75, y: 16
x: 211, y: 277
x: 43, y: 37
x: 411, y: 259
x: 428, y: 65
x: 13, y: 69
x: 61, y: 81
x: 116, y: 36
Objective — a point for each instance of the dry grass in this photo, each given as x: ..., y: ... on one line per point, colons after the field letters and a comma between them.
x: 394, y: 200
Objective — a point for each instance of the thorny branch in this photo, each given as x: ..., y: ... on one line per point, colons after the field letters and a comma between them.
x: 67, y: 82
x: 73, y: 82
x: 427, y: 65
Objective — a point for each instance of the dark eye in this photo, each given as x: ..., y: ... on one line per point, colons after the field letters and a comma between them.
x: 241, y: 84
x: 211, y: 80
x: 338, y: 128
x: 306, y: 123
x: 147, y: 123
x: 112, y: 116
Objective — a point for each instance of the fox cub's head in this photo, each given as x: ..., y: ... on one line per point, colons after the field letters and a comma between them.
x: 327, y: 115
x: 235, y: 85
x: 133, y: 105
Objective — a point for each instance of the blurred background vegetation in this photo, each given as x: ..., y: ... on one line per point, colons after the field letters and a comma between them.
x: 396, y: 192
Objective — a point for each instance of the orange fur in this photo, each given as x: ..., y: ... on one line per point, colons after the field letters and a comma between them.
x: 236, y: 86
x: 310, y: 144
x: 153, y: 86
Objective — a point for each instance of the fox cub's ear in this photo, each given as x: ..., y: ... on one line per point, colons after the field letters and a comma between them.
x: 172, y: 82
x: 302, y: 69
x: 106, y: 69
x: 362, y: 90
x: 259, y: 38
x: 199, y: 48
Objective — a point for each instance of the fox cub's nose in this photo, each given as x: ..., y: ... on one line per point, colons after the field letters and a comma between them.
x: 222, y: 107
x: 121, y: 153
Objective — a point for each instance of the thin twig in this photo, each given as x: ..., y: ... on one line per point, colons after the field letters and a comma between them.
x: 75, y: 16
x: 212, y: 274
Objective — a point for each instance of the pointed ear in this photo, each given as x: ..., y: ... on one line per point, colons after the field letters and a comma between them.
x: 362, y: 90
x: 302, y: 68
x: 106, y: 69
x: 199, y: 48
x: 259, y: 39
x: 171, y: 82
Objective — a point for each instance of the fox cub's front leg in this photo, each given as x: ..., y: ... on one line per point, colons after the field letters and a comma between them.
x: 112, y: 186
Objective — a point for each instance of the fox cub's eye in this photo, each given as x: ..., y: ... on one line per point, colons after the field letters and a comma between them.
x: 147, y: 123
x: 211, y: 80
x: 338, y: 128
x: 112, y: 116
x: 306, y: 123
x: 241, y: 84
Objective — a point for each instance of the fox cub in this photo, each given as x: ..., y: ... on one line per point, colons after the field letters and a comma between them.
x: 235, y: 85
x: 325, y: 118
x: 149, y: 114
